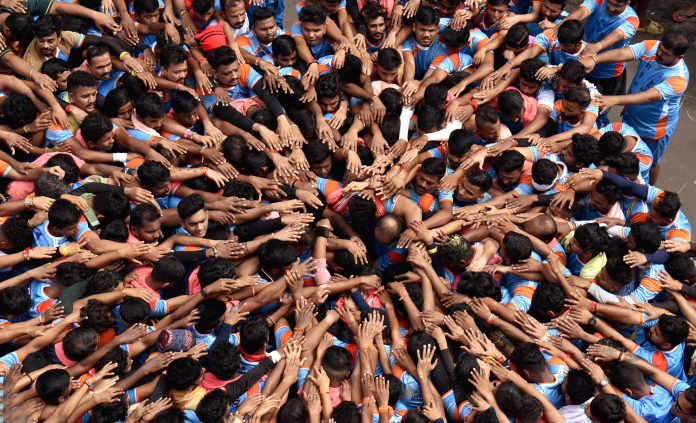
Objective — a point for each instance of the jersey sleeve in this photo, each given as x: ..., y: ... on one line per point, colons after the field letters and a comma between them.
x: 656, y: 358
x: 591, y: 5
x: 544, y: 40
x: 674, y: 86
x: 629, y: 27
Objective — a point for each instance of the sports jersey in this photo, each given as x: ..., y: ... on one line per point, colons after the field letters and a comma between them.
x: 250, y: 43
x: 600, y: 24
x: 641, y: 149
x: 656, y: 119
x: 552, y: 47
x: 410, y: 393
x: 552, y: 390
x: 649, y: 286
x: 477, y: 39
x: 563, y: 125
x: 40, y: 302
x: 671, y: 361
x: 424, y: 57
x: 479, y: 22
x: 455, y: 62
x: 653, y: 408
x: 248, y: 77
x: 43, y: 238
x: 679, y: 230
x: 318, y: 51
x: 522, y: 290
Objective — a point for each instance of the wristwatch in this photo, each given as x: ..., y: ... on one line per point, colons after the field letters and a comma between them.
x: 592, y: 322
x: 604, y: 382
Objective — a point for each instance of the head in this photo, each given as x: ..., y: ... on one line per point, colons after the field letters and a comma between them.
x: 456, y: 251
x: 313, y: 24
x: 614, y: 275
x: 213, y: 269
x: 110, y: 206
x: 99, y: 62
x: 145, y: 223
x: 517, y: 38
x: 547, y: 302
x: 473, y: 187
x: 388, y: 63
x: 511, y: 105
x: 184, y: 107
x: 203, y: 9
x: 545, y: 174
x: 18, y: 26
x: 589, y: 240
x: 664, y: 208
x: 571, y: 75
x: 509, y: 169
x: 293, y: 411
x: 146, y: 11
x: 488, y: 123
x: 118, y: 104
x: 254, y: 335
x: 235, y: 13
x: 611, y: 144
x: 459, y: 143
x: 388, y: 228
x: 263, y: 24
x: 15, y: 235
x: 529, y: 361
x: 681, y: 267
x: 669, y: 332
x: 425, y: 25
x: 154, y: 177
x: 275, y: 256
x: 213, y: 407
x: 574, y: 103
x: 97, y: 132
x: 328, y: 88
x: 58, y: 70
x: 80, y: 342
x: 184, y: 374
x: 193, y: 215
x: 167, y: 271
x: 644, y: 237
x: 570, y: 35
x: 552, y: 9
x: 47, y: 35
x: 606, y: 408
x: 478, y: 285
x: 581, y: 387
x: 82, y: 90
x: 672, y: 48
x: 223, y: 361
x: 528, y: 82
x: 516, y: 247
x: 225, y: 66
x: 284, y: 51
x: 374, y: 17
x: 150, y: 110
x: 428, y: 118
x: 582, y: 152
x: 14, y: 301
x: 624, y: 164
x: 454, y: 39
x: 428, y: 176
x: 18, y: 110
x: 495, y: 10
x: 53, y: 386
x: 173, y: 65
x: 63, y: 217
x: 616, y: 7
x: 629, y: 379
x: 210, y: 312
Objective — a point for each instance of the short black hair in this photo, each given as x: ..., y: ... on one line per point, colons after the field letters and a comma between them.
x: 168, y: 269
x: 183, y: 373
x: 14, y: 301
x: 389, y: 58
x: 667, y: 204
x: 46, y: 25
x: 18, y: 110
x: 190, y: 206
x: 143, y: 213
x: 312, y: 14
x: 253, y: 335
x: 152, y: 173
x: 51, y: 385
x: 570, y: 32
x: 79, y: 79
x: 518, y: 247
x: 150, y: 105
x: 328, y: 86
x: 579, y: 95
x: 674, y: 328
x: 675, y: 41
x: 63, y: 213
x: 213, y: 407
x: 426, y: 16
x: 608, y: 408
x: 53, y: 67
x: 275, y: 254
x: 527, y: 356
x: 573, y: 71
x: 18, y: 233
x: 530, y: 67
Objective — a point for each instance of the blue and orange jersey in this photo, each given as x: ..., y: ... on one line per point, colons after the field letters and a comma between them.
x: 678, y: 230
x: 641, y: 149
x: 424, y: 57
x: 411, y: 396
x: 477, y: 39
x: 455, y: 62
x: 563, y: 125
x: 649, y: 286
x: 552, y: 390
x: 250, y: 43
x: 479, y: 22
x: 318, y: 51
x: 600, y: 24
x: 40, y: 302
x: 552, y: 48
x: 248, y: 77
x: 656, y: 119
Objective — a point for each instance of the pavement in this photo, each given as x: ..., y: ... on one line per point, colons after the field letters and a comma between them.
x: 678, y: 171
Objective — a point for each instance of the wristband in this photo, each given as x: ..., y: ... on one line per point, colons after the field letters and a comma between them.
x: 383, y: 409
x: 122, y: 55
x: 120, y: 157
x: 215, y: 252
x: 432, y: 250
x: 63, y: 250
x: 491, y: 318
x: 203, y: 292
x: 203, y: 60
x: 275, y: 356
x: 321, y: 231
x: 67, y: 108
x: 187, y: 134
x: 473, y: 105
x: 593, y: 307
x: 26, y: 252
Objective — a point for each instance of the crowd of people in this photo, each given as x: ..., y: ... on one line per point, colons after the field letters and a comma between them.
x: 391, y: 211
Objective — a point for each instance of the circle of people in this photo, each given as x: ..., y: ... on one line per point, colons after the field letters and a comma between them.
x: 395, y: 211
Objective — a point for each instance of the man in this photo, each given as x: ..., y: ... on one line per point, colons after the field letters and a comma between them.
x: 610, y: 25
x: 257, y: 42
x: 654, y: 97
x: 98, y: 63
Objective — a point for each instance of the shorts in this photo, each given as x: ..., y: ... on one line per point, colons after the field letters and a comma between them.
x: 657, y: 147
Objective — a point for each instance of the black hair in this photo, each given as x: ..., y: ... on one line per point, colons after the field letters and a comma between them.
x: 530, y: 67
x: 234, y: 148
x: 46, y: 25
x: 276, y: 254
x: 150, y: 105
x: 328, y: 86
x: 183, y: 373
x: 222, y: 56
x: 511, y: 160
x: 51, y: 67
x: 608, y: 408
x: 312, y: 14
x: 94, y: 126
x: 80, y: 342
x: 145, y: 6
x: 578, y: 95
x: 362, y: 213
x: 527, y: 356
x: 389, y: 58
x: 213, y: 269
x: 261, y: 14
x: 372, y: 11
x: 486, y: 114
x: 518, y: 247
x: 675, y: 41
x: 570, y: 32
x: 618, y: 270
x: 416, y: 340
x: 214, y: 406
x: 240, y: 189
x: 169, y: 415
x: 202, y: 6
x: 673, y: 328
x: 190, y: 206
x: 14, y: 301
x: 582, y: 386
x: 452, y: 38
x: 435, y: 95
x: 509, y: 397
x: 134, y: 310
x: 63, y: 213
x: 592, y: 238
x: 210, y: 312
x: 293, y: 411
x: 460, y: 142
x: 152, y: 173
x: 172, y: 54
x: 282, y: 45
x: 547, y: 297
x: 104, y: 281
x: 118, y: 356
x: 135, y: 87
x: 626, y: 376
x: 531, y: 409
x: 517, y: 36
x: 79, y: 79
x: 573, y: 71
x: 351, y: 70
x: 392, y: 101
x: 429, y: 117
x: 346, y: 412
x: 20, y: 26
x: 680, y: 266
x: 291, y: 100
x: 625, y: 164
x: 253, y: 335
x: 316, y: 151
x: 113, y: 205
x: 647, y: 236
x: 143, y: 213
x: 168, y: 269
x: 51, y: 385
x: 111, y: 411
x: 97, y: 315
x: 667, y: 204
x: 611, y: 143
x: 114, y: 100
x: 609, y: 190
x: 17, y: 231
x: 510, y: 103
x: 67, y: 163
x: 585, y: 149
x: 480, y: 179
x: 426, y: 16
x: 390, y: 128
x: 544, y: 171
x: 223, y: 360
x: 433, y: 166
x: 18, y: 111
x: 115, y: 230
x: 462, y: 369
